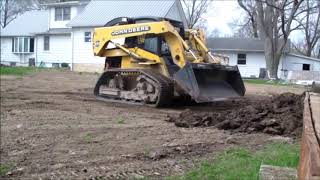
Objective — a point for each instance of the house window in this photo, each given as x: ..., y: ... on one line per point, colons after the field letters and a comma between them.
x: 62, y: 13
x: 12, y: 44
x: 242, y: 59
x: 26, y: 44
x: 22, y: 45
x: 55, y: 65
x: 87, y: 36
x: 306, y: 67
x: 46, y: 43
x: 31, y: 44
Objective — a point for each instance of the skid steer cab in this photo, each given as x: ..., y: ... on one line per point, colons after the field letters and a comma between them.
x: 151, y: 60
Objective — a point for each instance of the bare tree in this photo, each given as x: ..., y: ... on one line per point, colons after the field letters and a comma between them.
x: 274, y: 21
x: 194, y: 10
x: 309, y: 21
x: 242, y: 28
x: 275, y: 25
x: 250, y: 24
x: 214, y: 33
x: 8, y: 12
x: 318, y: 51
x: 299, y: 47
x: 10, y: 9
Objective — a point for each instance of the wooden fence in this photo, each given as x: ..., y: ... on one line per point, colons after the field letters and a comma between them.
x: 309, y: 165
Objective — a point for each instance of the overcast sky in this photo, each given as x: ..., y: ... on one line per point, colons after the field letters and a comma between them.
x: 223, y: 12
x: 220, y: 14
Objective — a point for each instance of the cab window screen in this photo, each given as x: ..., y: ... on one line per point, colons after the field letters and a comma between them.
x: 151, y: 44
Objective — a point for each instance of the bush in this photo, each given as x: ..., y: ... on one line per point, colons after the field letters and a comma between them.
x: 64, y: 65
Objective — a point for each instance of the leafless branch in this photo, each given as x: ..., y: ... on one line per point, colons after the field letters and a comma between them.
x: 194, y: 10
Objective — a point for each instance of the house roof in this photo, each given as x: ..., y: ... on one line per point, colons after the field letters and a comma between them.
x: 56, y: 31
x: 66, y: 3
x: 27, y: 24
x: 239, y: 44
x: 99, y: 12
x: 304, y: 57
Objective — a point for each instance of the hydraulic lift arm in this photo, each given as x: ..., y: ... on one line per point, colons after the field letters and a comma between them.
x: 177, y: 45
x: 196, y: 40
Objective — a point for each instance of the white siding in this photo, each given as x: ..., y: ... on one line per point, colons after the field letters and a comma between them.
x: 294, y: 63
x: 60, y: 50
x: 82, y: 51
x: 254, y: 62
x: 8, y: 56
x: 61, y: 24
x: 293, y: 68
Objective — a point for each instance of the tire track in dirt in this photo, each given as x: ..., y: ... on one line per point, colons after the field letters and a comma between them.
x: 53, y: 127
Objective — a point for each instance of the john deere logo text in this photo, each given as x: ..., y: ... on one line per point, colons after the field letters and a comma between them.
x: 130, y: 30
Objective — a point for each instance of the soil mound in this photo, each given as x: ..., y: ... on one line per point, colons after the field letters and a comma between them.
x: 279, y: 115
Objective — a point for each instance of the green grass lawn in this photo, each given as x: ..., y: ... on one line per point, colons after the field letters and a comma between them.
x: 5, y: 168
x: 240, y: 163
x: 19, y: 71
x: 265, y: 81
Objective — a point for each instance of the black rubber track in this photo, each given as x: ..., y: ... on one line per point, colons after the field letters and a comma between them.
x: 165, y: 85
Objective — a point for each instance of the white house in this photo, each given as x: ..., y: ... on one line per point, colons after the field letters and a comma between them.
x: 98, y: 13
x: 62, y: 32
x: 248, y: 54
x: 41, y: 37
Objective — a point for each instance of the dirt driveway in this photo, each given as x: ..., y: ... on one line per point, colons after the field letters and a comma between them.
x: 52, y: 126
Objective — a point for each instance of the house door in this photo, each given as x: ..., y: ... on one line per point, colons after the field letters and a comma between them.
x: 32, y: 62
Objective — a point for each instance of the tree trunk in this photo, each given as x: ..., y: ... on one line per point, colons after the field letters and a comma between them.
x: 254, y: 24
x: 5, y: 16
x: 272, y: 59
x: 309, y: 50
x: 272, y: 66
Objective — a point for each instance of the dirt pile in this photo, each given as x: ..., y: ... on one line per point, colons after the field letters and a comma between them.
x: 280, y: 115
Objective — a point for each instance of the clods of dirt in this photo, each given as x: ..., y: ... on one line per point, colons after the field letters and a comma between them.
x: 173, y: 151
x: 279, y: 115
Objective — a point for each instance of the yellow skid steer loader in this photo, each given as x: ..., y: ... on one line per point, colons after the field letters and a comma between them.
x: 151, y: 60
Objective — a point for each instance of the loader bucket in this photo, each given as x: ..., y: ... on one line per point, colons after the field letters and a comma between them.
x: 210, y: 82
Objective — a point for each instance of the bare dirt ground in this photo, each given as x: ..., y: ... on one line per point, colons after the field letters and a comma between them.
x: 52, y: 127
x: 280, y: 115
